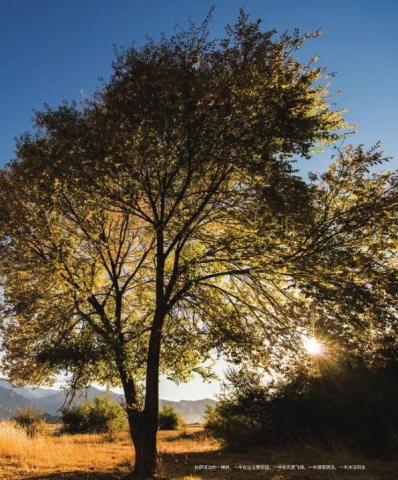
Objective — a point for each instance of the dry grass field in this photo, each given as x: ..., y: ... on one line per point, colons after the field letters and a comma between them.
x: 184, y: 455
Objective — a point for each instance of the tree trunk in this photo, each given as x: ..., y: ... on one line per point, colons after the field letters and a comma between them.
x: 143, y: 428
x: 144, y: 424
x: 143, y: 431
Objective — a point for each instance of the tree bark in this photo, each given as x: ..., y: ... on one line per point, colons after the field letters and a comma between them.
x: 143, y: 429
x: 144, y: 424
x: 144, y: 440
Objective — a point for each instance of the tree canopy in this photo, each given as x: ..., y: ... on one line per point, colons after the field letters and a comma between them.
x: 163, y: 219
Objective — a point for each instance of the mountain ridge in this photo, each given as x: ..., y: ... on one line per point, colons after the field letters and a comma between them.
x: 50, y: 401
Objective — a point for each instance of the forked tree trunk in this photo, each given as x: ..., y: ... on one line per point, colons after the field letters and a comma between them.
x: 143, y: 431
x: 144, y: 425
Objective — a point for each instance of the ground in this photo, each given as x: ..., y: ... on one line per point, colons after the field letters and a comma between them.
x: 184, y: 455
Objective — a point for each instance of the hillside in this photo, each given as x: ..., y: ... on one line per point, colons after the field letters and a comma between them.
x: 192, y: 410
x: 10, y: 401
x: 50, y: 401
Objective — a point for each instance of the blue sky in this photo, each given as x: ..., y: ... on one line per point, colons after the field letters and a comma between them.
x: 53, y: 50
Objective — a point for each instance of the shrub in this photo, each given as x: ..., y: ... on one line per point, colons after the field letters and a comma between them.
x: 99, y: 416
x: 106, y: 416
x: 75, y: 419
x: 30, y: 420
x: 169, y: 419
x: 348, y: 405
x: 238, y: 419
x: 235, y: 431
x: 353, y: 406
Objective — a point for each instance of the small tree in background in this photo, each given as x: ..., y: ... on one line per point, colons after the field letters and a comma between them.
x: 170, y: 419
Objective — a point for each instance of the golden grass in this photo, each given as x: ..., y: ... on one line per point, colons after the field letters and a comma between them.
x: 189, y: 441
x: 95, y: 457
x: 21, y: 456
x: 48, y: 453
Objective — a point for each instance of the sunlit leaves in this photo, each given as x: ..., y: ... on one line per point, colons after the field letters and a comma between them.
x: 167, y: 208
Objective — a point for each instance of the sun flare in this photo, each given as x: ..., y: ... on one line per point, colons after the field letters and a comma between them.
x: 313, y: 346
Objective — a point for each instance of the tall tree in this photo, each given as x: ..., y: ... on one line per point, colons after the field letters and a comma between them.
x: 163, y: 219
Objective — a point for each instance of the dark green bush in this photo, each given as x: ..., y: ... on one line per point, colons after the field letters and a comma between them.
x: 348, y: 405
x: 238, y: 419
x: 169, y: 419
x: 99, y: 416
x: 353, y: 406
x: 30, y: 420
x: 235, y: 431
x: 75, y: 419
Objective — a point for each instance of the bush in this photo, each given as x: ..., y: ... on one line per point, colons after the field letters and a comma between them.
x: 30, y: 420
x: 99, y: 416
x: 169, y: 419
x: 352, y: 406
x: 348, y: 405
x: 106, y: 416
x: 238, y: 419
x: 75, y: 419
x: 234, y: 431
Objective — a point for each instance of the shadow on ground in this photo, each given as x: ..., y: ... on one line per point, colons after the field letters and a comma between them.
x: 212, y: 466
x: 78, y: 475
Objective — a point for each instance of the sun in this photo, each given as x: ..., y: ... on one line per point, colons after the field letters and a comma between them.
x: 313, y: 346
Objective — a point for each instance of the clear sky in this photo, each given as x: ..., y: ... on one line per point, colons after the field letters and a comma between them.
x: 53, y: 50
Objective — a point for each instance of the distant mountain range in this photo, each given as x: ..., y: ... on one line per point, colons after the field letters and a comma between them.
x: 49, y: 401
